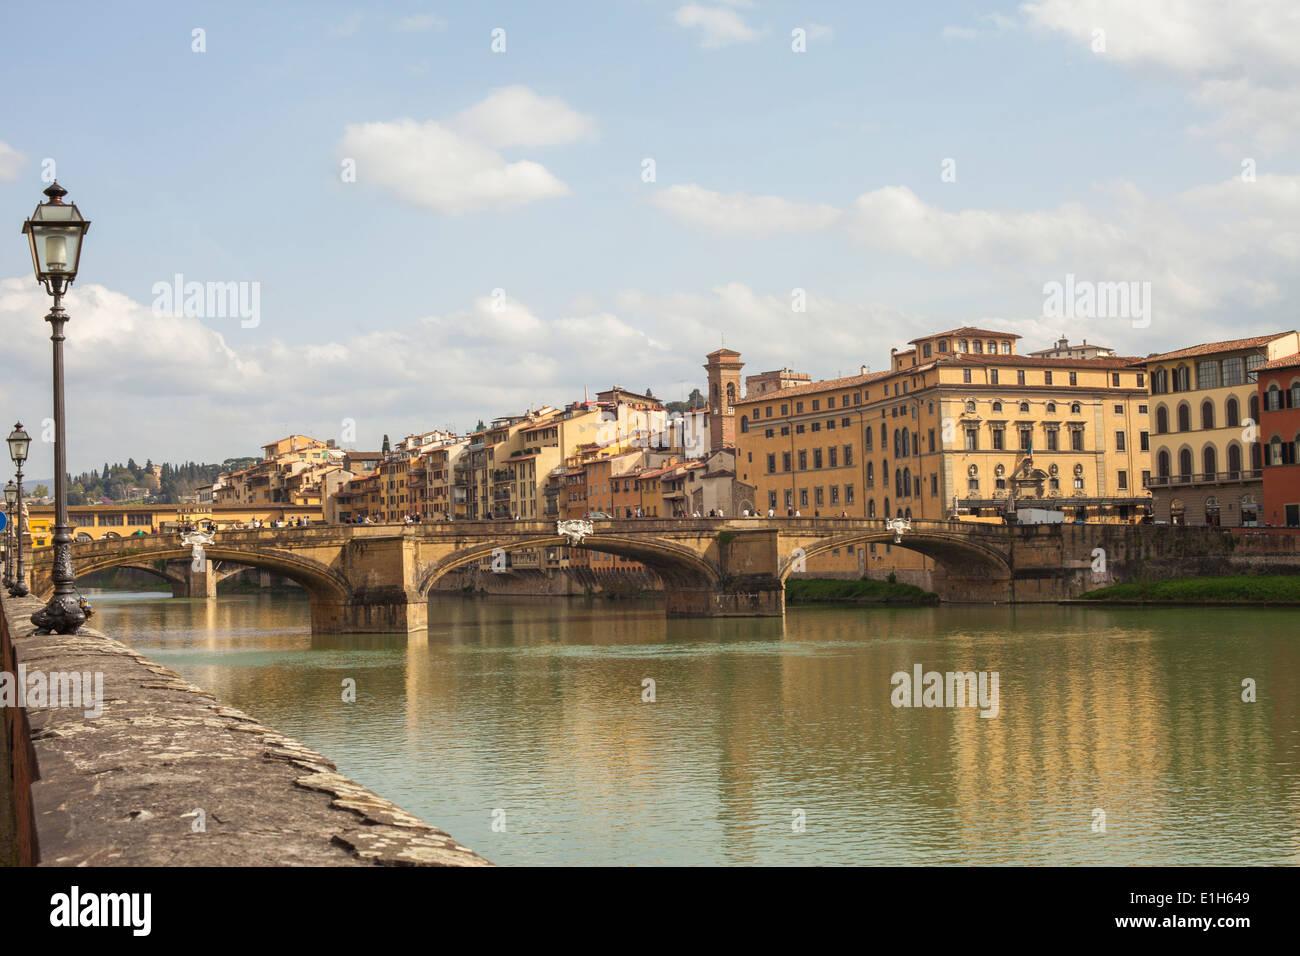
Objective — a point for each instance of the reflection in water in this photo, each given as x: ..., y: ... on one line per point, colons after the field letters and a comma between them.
x: 535, y: 707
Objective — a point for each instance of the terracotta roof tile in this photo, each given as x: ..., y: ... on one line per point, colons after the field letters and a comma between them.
x: 1286, y: 361
x: 1211, y: 348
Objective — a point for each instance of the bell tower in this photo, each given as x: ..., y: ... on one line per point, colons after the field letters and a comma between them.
x: 723, y: 369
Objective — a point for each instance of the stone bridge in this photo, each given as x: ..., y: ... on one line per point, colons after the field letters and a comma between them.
x: 377, y: 578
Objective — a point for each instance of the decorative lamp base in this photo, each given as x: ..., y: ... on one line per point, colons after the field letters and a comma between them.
x: 63, y: 615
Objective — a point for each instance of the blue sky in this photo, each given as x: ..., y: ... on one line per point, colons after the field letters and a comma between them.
x: 521, y: 171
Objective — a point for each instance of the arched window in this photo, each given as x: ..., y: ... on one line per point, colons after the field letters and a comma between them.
x: 1275, y: 450
x: 1024, y: 406
x: 1295, y: 394
x: 978, y: 346
x: 1185, y: 465
x: 973, y: 478
x: 1159, y: 381
x: 1184, y: 417
x: 731, y: 394
x: 1256, y: 456
x: 1162, y: 464
x: 907, y: 443
x: 897, y: 452
x: 885, y: 510
x: 898, y: 483
x: 1234, y: 460
x: 1162, y: 420
x: 1254, y: 407
x: 871, y: 473
x: 871, y: 507
x: 1075, y: 408
x: 907, y: 483
x: 993, y: 347
x: 997, y: 406
x: 1207, y: 414
x: 970, y: 408
x: 744, y: 423
x: 963, y: 345
x: 1209, y: 462
x: 1231, y: 413
x: 908, y: 514
x: 1273, y: 397
x: 1051, y: 408
x: 1182, y: 379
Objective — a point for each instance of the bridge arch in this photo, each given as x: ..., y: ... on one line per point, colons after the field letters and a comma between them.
x: 320, y: 580
x: 946, y: 549
x: 675, y: 563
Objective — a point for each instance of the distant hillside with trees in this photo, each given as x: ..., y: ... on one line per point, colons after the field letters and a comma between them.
x: 146, y: 484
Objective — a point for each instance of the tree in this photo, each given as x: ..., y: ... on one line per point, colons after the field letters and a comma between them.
x: 105, y: 475
x: 40, y: 491
x: 696, y: 399
x: 385, y: 449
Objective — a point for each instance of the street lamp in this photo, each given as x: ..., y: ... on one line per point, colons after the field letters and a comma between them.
x: 19, y: 443
x: 11, y: 495
x: 55, y: 232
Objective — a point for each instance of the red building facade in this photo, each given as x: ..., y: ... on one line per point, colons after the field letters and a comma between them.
x: 1279, y: 436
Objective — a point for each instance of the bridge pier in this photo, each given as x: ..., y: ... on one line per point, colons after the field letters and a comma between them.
x: 391, y: 611
x: 754, y: 599
x: 195, y: 584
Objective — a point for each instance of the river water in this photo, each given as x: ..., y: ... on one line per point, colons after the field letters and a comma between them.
x: 522, y: 727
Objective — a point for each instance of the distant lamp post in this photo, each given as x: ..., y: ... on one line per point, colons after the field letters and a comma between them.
x: 19, y: 444
x: 55, y: 232
x: 11, y: 495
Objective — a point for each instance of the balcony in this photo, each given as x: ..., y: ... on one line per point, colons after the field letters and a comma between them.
x: 1205, y: 478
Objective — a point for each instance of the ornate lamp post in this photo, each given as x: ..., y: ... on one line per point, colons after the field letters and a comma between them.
x: 55, y: 233
x: 11, y: 495
x: 19, y: 443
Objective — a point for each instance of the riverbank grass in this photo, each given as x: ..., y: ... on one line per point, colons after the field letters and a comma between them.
x: 863, y: 591
x: 1247, y: 588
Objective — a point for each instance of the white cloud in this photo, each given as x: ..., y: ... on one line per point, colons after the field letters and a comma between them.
x: 431, y: 166
x: 348, y: 26
x: 741, y: 213
x: 719, y: 26
x: 11, y: 162
x: 1238, y: 59
x: 420, y: 22
x: 516, y: 116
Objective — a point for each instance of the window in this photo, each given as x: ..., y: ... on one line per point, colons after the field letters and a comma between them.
x: 785, y: 461
x: 1114, y: 379
x: 817, y: 404
x: 817, y: 457
x: 819, y: 496
x: 1076, y: 439
x: 1024, y: 408
x: 1053, y: 440
x: 1119, y: 441
x: 925, y: 350
x: 1047, y: 378
x: 1074, y: 378
x: 1209, y: 462
x: 1142, y: 410
x: 934, y: 484
x: 1020, y: 376
x: 1122, y: 482
x: 1253, y: 362
x: 1233, y: 371
x: 803, y: 497
x: 1051, y: 408
x: 848, y: 494
x: 1162, y: 418
x: 771, y: 464
x: 1207, y: 414
x: 1159, y: 381
x: 973, y: 478
x: 867, y: 435
x: 1075, y: 407
x: 1026, y: 438
x: 871, y: 474
x: 835, y: 494
x: 1119, y: 409
x: 997, y: 439
x: 972, y: 439
x: 1207, y: 374
x: 848, y: 456
x: 993, y: 374
x: 1144, y: 441
x: 798, y: 429
x: 1142, y: 380
x: 965, y: 375
x: 997, y: 406
x: 1182, y: 379
x: 769, y: 433
x: 816, y: 426
x: 1184, y: 418
x: 803, y: 461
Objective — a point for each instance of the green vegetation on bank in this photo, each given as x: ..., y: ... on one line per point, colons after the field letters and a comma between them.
x: 1259, y: 588
x: 863, y: 591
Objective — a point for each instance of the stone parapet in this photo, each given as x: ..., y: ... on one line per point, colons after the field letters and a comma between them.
x: 167, y: 775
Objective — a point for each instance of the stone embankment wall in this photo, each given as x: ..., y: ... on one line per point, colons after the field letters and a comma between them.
x: 168, y: 776
x: 577, y: 581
